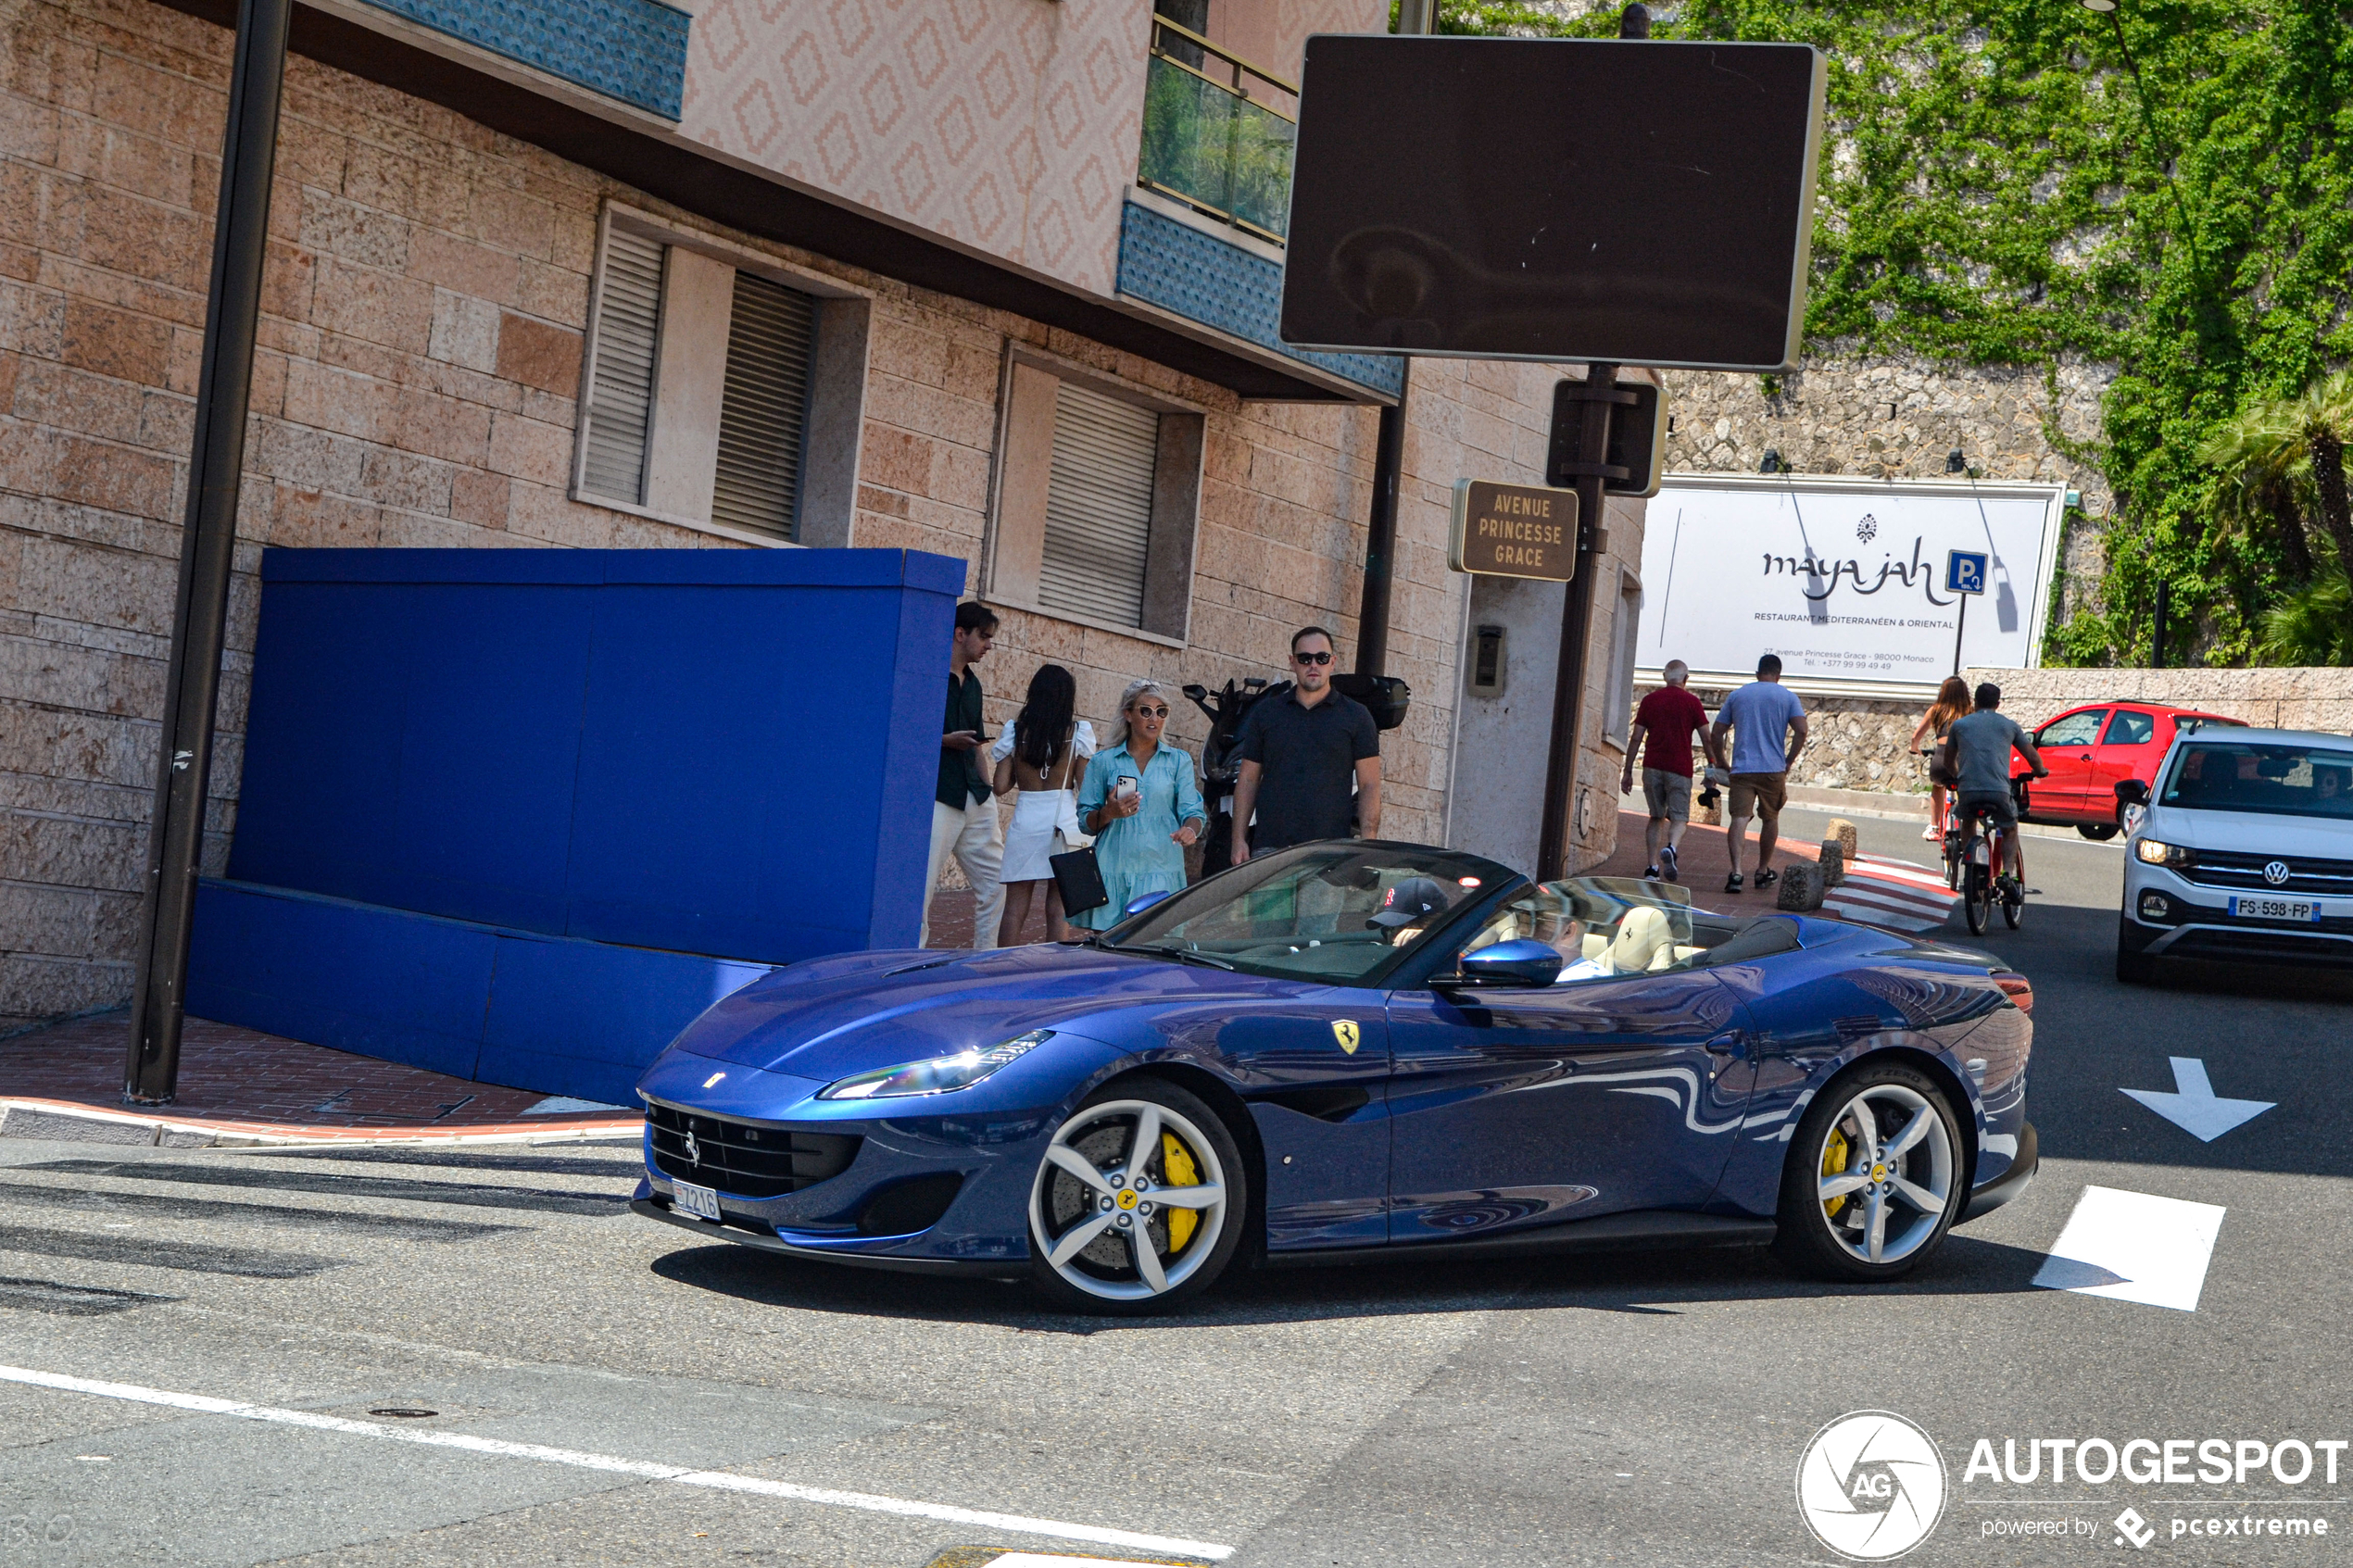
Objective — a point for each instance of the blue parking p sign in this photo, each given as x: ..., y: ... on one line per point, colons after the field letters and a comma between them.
x: 1965, y: 571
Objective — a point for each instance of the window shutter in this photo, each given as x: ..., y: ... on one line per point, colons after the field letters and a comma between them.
x: 764, y: 408
x: 1099, y: 508
x: 621, y: 395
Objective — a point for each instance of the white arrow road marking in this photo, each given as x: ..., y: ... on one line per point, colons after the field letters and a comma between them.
x: 2193, y: 1107
x: 2134, y: 1247
x: 677, y: 1474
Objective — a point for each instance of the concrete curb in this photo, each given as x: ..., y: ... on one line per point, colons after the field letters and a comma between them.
x: 67, y: 1122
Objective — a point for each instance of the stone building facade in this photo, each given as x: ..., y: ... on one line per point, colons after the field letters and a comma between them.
x: 430, y: 283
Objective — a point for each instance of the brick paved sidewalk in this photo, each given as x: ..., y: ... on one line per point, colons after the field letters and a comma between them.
x: 241, y: 1086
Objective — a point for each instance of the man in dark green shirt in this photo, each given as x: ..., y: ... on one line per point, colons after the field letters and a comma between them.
x: 963, y: 812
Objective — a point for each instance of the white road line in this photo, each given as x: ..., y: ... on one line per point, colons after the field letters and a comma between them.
x: 1037, y: 1560
x: 713, y: 1480
x: 2135, y: 1247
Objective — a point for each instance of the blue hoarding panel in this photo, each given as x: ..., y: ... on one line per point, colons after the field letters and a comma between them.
x: 502, y: 1007
x: 727, y: 756
x: 376, y: 982
x: 718, y: 751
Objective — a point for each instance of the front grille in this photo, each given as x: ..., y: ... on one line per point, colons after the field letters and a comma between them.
x: 746, y: 1160
x: 2244, y: 872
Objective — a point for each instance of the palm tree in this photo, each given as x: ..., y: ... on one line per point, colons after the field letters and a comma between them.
x: 2324, y: 415
x: 2266, y: 478
x: 2313, y: 625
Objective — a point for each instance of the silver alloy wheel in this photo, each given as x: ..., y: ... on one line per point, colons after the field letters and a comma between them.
x: 1100, y: 1211
x: 1897, y: 1153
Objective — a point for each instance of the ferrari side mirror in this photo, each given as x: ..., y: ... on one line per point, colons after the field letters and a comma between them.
x: 1141, y: 902
x: 1515, y: 964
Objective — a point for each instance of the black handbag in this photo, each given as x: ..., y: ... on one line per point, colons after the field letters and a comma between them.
x: 1080, y: 881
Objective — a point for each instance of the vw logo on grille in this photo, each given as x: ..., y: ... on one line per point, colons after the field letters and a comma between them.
x: 694, y: 1149
x: 2275, y: 873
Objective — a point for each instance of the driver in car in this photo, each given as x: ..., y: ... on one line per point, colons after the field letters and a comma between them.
x: 1407, y: 907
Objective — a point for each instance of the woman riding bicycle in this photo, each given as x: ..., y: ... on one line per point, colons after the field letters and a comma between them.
x: 1952, y: 701
x: 1981, y: 743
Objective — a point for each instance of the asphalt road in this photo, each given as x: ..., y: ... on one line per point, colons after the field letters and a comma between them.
x: 584, y: 1366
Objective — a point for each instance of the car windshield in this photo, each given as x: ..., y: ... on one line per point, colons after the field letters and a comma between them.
x: 2282, y: 779
x: 1610, y: 927
x: 1345, y: 914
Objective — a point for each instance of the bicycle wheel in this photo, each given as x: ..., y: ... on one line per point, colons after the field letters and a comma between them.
x: 1976, y: 897
x: 1951, y: 860
x: 2014, y: 907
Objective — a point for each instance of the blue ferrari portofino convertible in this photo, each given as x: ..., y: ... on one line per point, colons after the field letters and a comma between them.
x: 1351, y: 1051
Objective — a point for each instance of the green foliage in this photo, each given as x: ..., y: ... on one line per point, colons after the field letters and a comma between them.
x: 1995, y: 190
x: 2312, y: 625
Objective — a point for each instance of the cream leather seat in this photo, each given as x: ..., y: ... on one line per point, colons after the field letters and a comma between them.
x: 1641, y: 936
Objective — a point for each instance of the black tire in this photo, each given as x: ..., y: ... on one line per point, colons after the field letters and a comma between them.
x: 1976, y: 897
x: 1808, y: 1237
x: 1054, y: 1190
x: 2014, y: 910
x: 2098, y: 833
x: 2131, y: 968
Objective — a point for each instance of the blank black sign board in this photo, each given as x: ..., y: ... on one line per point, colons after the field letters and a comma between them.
x: 1505, y: 199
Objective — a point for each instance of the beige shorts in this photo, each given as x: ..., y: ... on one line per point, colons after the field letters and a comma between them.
x: 1668, y: 795
x: 1760, y: 794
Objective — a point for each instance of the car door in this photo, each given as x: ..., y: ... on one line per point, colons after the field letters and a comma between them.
x: 2069, y: 744
x: 1511, y: 1108
x: 2129, y: 749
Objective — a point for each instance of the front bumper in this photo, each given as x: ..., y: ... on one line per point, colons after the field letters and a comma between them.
x: 2009, y: 1184
x: 659, y: 1208
x: 2197, y: 923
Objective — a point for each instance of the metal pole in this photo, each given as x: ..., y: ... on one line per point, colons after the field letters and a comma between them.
x: 1576, y: 612
x: 1389, y: 461
x: 1960, y: 622
x: 1577, y: 620
x: 1380, y: 535
x: 2157, y: 632
x: 208, y: 546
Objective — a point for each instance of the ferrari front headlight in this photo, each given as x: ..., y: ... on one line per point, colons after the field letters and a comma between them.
x: 938, y: 1075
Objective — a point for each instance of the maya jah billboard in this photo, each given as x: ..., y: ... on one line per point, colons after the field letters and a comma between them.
x: 1843, y: 578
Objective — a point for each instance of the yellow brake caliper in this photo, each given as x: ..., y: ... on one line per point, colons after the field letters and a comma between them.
x: 1834, y: 1161
x: 1177, y: 1170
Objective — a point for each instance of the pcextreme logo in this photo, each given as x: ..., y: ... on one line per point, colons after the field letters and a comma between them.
x: 1870, y: 1485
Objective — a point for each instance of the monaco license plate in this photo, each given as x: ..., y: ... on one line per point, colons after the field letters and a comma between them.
x: 2276, y: 909
x: 702, y: 1202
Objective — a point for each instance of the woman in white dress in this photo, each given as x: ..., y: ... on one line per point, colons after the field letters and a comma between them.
x: 1040, y: 755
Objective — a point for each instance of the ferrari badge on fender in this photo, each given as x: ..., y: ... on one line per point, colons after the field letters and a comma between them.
x: 1346, y: 1030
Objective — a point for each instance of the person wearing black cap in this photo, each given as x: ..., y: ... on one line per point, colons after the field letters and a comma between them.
x: 1407, y: 908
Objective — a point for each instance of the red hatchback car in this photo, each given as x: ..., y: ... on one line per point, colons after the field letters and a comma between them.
x: 2091, y: 751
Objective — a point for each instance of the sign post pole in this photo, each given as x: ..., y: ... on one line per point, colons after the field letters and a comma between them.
x: 1601, y: 396
x: 208, y: 546
x: 1965, y: 575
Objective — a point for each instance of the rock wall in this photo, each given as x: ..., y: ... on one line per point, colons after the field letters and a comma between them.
x: 1900, y: 417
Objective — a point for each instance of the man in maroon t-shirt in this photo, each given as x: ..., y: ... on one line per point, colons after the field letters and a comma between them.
x: 1663, y: 729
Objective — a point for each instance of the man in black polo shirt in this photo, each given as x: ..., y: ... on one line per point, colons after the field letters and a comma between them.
x: 1311, y: 757
x: 963, y: 812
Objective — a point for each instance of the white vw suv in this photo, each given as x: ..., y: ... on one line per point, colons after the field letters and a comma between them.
x: 2244, y: 854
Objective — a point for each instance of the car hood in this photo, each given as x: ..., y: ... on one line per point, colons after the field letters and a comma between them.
x: 2250, y: 833
x: 834, y: 1017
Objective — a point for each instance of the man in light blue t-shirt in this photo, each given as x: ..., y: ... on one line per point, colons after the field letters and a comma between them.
x: 1768, y: 731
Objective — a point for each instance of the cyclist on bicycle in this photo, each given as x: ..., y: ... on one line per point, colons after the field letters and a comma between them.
x: 1981, y: 745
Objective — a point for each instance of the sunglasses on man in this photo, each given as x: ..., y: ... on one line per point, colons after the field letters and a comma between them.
x: 1312, y: 657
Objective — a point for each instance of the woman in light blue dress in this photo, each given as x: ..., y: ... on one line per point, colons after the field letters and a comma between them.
x: 1140, y: 801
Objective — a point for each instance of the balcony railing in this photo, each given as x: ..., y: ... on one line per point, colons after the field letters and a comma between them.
x: 1219, y: 133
